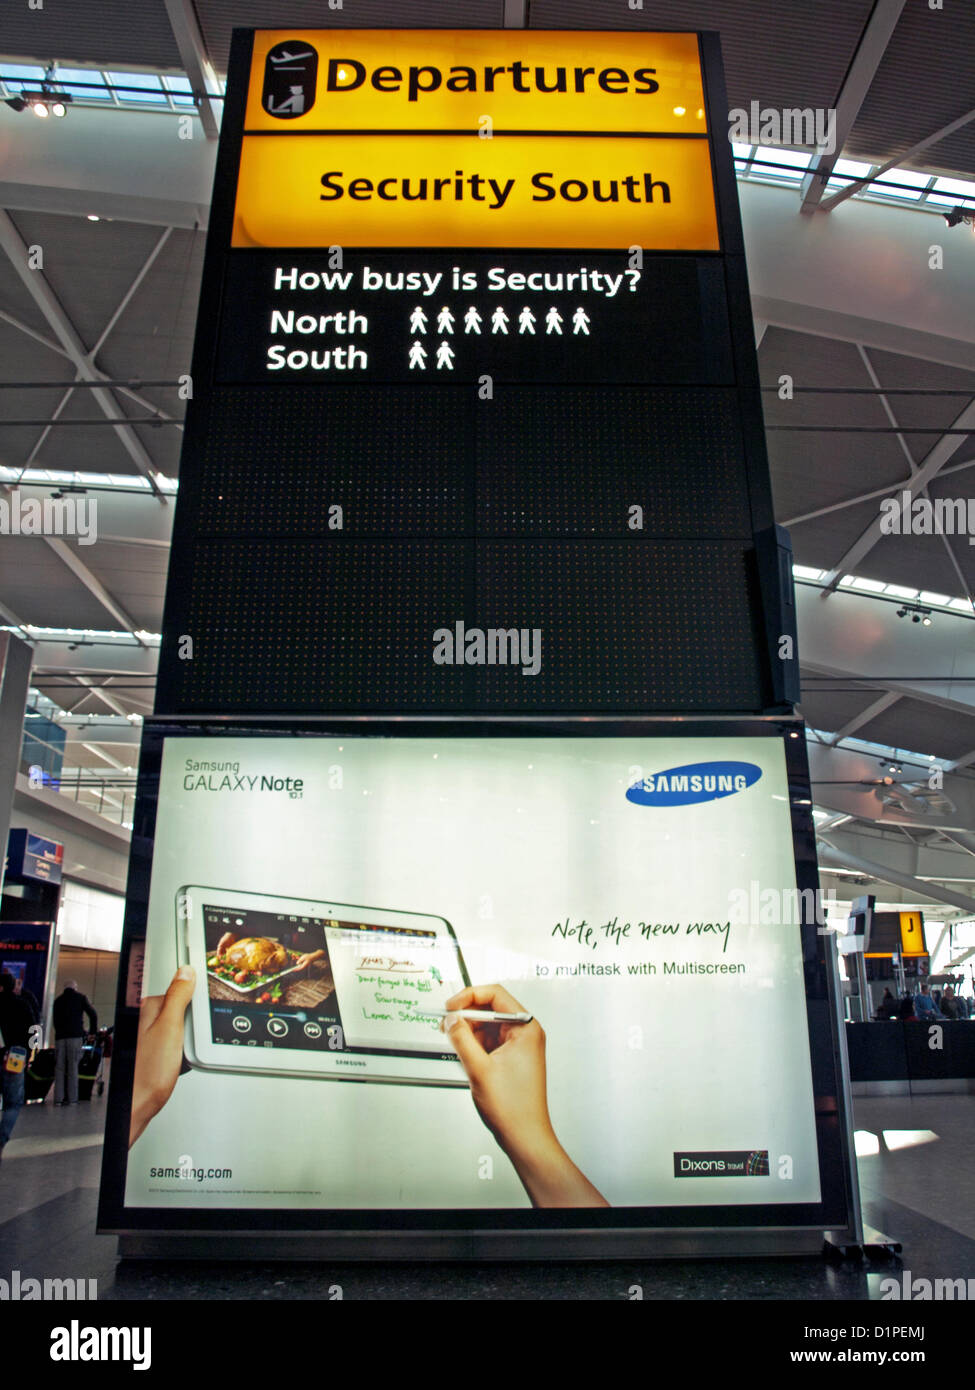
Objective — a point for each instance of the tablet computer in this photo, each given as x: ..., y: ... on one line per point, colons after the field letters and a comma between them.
x: 296, y: 987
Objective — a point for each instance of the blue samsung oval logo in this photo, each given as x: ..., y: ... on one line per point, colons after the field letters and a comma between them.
x: 682, y: 786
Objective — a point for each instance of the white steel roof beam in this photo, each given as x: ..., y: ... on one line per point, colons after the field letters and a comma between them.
x: 828, y: 204
x: 97, y: 375
x: 866, y: 497
x: 931, y: 466
x: 860, y: 74
x: 126, y: 298
x: 865, y: 716
x: 831, y: 858
x: 94, y: 586
x: 101, y: 694
x: 195, y: 60
x: 52, y: 309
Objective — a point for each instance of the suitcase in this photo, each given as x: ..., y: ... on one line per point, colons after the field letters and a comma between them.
x: 39, y: 1077
x: 89, y: 1072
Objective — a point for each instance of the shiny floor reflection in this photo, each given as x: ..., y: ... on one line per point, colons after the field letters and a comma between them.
x: 915, y: 1174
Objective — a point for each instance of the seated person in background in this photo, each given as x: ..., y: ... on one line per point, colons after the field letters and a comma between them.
x: 887, y: 1007
x: 924, y: 1005
x: 905, y: 1009
x: 949, y: 1003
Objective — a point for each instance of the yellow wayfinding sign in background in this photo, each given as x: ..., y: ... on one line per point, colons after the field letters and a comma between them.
x: 450, y: 79
x: 912, y: 934
x: 455, y: 191
x: 488, y: 139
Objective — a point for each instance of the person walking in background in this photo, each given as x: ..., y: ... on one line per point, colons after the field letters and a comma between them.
x: 29, y: 998
x: 68, y: 1035
x: 15, y: 1025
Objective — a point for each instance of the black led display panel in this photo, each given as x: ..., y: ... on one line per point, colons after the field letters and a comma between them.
x: 387, y: 444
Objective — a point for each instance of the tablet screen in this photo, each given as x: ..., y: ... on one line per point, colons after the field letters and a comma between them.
x: 286, y: 981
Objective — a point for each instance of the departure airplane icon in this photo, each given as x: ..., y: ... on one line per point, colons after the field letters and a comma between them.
x: 288, y: 58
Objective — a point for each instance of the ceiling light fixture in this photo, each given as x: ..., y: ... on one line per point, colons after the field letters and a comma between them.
x: 49, y: 100
x: 957, y: 215
x: 916, y: 613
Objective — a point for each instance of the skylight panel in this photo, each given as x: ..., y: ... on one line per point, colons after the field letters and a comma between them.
x: 149, y: 88
x: 845, y: 171
x: 180, y: 90
x: 91, y: 85
x: 792, y: 163
x: 916, y: 184
x: 952, y: 193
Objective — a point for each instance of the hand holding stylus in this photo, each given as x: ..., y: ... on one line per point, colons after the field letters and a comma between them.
x: 506, y: 1066
x: 159, y: 1054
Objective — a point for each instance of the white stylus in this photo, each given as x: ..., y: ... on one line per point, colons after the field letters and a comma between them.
x: 478, y: 1015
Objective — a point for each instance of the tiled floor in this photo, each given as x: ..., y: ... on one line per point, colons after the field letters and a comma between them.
x: 917, y: 1188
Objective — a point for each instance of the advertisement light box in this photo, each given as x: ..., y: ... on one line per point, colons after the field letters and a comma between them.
x: 334, y: 895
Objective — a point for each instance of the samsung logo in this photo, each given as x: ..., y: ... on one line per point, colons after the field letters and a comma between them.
x: 682, y: 786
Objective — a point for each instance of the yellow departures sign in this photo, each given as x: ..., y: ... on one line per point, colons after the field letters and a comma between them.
x: 449, y: 79
x: 456, y: 164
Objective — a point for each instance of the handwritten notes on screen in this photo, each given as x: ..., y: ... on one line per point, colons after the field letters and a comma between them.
x: 386, y: 984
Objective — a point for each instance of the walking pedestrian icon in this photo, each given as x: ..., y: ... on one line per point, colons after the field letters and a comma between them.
x: 523, y: 321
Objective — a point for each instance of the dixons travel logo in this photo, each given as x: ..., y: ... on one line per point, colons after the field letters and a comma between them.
x: 693, y: 782
x: 718, y: 1163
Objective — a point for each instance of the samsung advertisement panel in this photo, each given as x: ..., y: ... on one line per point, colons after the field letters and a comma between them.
x: 636, y: 1048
